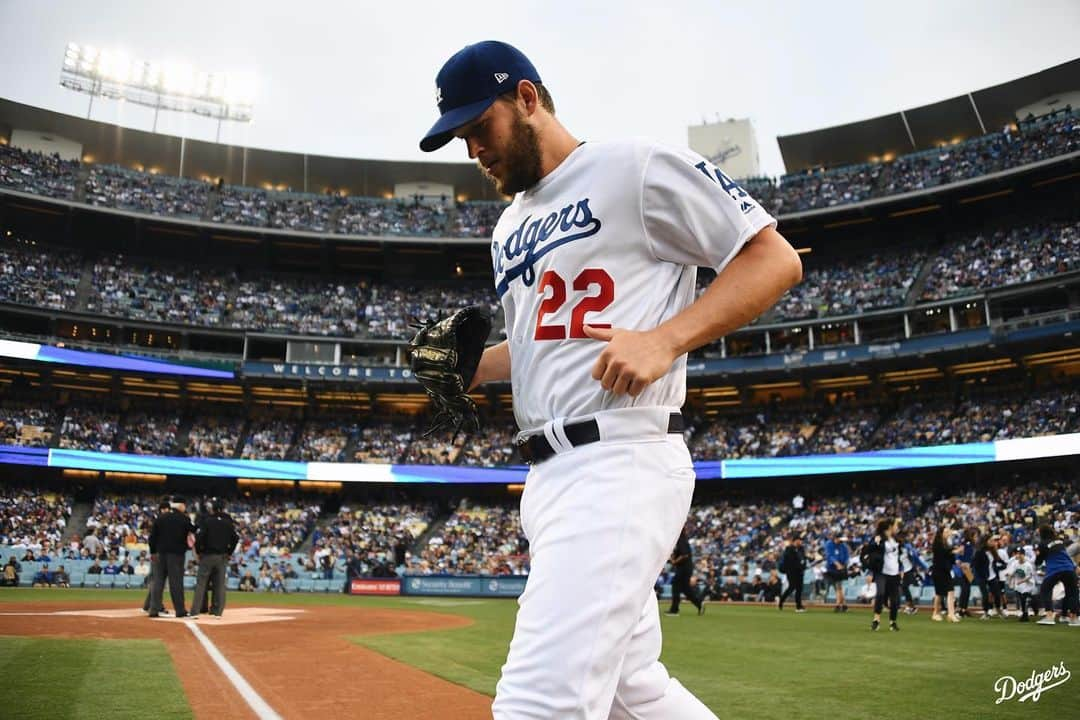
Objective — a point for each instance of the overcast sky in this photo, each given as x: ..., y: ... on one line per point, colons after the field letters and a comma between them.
x: 357, y: 79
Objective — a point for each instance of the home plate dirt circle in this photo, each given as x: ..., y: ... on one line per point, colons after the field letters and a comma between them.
x: 298, y: 662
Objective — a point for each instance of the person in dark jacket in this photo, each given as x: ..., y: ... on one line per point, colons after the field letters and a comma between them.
x: 793, y: 565
x: 941, y: 571
x: 682, y: 559
x: 1060, y: 568
x: 883, y: 555
x: 967, y: 572
x: 155, y: 566
x: 214, y: 543
x: 168, y: 545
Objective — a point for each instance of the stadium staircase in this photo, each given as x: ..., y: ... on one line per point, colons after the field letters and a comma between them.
x: 335, y: 216
x: 330, y: 506
x: 183, y: 435
x: 213, y: 200
x: 80, y: 184
x: 293, y: 450
x: 244, y: 433
x: 76, y: 524
x: 920, y: 282
x: 433, y: 529
x: 85, y: 286
x: 351, y: 445
x: 451, y: 216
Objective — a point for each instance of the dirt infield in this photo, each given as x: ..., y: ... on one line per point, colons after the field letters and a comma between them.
x: 297, y: 659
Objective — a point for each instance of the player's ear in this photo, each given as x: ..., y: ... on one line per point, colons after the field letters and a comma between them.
x: 528, y: 96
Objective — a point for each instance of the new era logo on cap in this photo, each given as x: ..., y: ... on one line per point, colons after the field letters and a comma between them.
x: 468, y: 84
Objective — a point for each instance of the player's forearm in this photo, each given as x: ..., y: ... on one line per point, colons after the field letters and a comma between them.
x: 752, y: 282
x: 494, y: 365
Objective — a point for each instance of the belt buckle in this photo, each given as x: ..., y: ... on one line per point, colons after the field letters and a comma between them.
x: 524, y: 449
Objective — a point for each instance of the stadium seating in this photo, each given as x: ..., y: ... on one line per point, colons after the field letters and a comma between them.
x: 111, y: 186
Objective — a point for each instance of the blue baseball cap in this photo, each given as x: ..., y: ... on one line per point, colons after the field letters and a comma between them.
x: 469, y: 83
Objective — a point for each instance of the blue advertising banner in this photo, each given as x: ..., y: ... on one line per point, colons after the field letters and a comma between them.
x: 505, y: 586
x: 857, y: 462
x: 202, y: 467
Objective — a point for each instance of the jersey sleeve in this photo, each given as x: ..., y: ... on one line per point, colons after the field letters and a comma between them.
x: 693, y: 213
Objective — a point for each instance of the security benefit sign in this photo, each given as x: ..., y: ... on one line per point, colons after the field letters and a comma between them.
x: 474, y: 586
x: 325, y: 372
x: 374, y: 586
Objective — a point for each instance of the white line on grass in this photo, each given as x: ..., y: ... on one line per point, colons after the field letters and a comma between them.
x: 260, y: 706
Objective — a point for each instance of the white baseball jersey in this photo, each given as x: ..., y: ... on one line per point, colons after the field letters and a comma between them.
x: 611, y: 238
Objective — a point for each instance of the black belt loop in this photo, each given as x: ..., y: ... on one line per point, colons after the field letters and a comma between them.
x: 536, y: 448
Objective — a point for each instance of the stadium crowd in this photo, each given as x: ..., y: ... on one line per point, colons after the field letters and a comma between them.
x: 27, y: 424
x: 39, y: 278
x: 85, y: 428
x: 367, y: 539
x: 1029, y: 141
x: 475, y: 539
x: 116, y: 187
x: 32, y: 518
x: 146, y: 433
x: 1003, y: 256
x: 841, y: 429
x: 845, y: 287
x: 34, y: 172
x: 217, y: 297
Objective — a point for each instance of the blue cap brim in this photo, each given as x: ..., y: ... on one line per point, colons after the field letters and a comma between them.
x: 442, y: 131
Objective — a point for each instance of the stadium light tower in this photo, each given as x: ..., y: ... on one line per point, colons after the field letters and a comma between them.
x: 162, y: 86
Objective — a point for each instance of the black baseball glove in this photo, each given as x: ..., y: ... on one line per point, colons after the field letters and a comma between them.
x: 444, y: 356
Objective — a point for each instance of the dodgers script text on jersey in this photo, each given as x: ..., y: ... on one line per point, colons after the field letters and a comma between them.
x: 582, y: 247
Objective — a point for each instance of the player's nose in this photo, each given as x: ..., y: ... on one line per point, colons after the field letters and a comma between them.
x: 474, y: 147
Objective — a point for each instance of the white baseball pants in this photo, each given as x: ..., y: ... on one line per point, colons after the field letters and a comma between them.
x: 602, y: 520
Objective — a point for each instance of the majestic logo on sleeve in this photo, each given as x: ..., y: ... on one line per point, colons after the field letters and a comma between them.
x: 535, y: 238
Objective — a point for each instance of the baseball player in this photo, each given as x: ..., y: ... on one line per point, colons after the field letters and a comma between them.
x: 595, y: 262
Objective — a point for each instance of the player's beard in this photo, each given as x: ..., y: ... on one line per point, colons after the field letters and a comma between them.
x: 520, y: 160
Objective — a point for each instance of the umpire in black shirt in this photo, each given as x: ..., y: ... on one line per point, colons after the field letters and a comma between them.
x: 214, y: 543
x: 683, y: 561
x: 168, y: 545
x: 156, y: 567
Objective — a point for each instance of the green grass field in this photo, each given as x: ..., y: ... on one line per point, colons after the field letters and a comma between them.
x: 744, y: 662
x: 47, y: 678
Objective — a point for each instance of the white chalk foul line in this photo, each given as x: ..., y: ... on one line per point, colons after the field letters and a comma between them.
x: 252, y: 698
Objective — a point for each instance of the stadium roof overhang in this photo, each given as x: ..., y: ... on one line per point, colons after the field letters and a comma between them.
x: 926, y: 126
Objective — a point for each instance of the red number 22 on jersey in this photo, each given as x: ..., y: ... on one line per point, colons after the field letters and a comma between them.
x: 590, y: 303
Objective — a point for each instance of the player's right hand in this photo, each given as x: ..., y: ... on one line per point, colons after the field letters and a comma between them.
x: 632, y: 360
